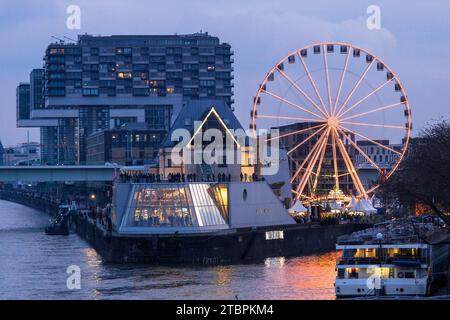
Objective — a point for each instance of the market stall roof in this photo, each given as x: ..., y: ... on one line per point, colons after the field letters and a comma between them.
x: 298, y: 207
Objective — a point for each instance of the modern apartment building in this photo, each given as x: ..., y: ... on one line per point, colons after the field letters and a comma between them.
x: 2, y: 150
x: 383, y: 158
x: 23, y: 101
x: 129, y: 144
x: 27, y: 153
x: 37, y: 89
x: 101, y: 82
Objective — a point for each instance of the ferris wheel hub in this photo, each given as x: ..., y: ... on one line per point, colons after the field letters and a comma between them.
x: 333, y: 122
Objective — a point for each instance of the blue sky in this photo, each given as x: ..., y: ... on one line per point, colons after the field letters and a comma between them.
x: 414, y: 40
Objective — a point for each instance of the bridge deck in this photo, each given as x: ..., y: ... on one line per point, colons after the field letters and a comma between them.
x: 58, y: 173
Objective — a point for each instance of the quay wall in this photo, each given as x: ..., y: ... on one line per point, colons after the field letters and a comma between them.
x: 243, y: 245
x: 236, y: 246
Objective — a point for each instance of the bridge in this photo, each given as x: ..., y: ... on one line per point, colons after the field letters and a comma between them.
x: 58, y: 173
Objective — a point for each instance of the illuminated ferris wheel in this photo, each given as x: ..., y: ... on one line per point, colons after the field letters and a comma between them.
x: 333, y: 104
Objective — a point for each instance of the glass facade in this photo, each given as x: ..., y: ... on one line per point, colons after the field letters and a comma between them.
x: 177, y: 206
x: 23, y: 101
x: 37, y: 89
x: 196, y: 66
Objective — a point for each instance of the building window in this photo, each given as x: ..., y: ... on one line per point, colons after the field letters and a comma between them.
x: 124, y: 75
x: 90, y: 92
x: 170, y: 89
x: 141, y: 91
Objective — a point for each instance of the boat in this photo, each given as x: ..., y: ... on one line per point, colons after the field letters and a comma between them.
x: 402, y: 257
x: 188, y: 211
x: 60, y: 224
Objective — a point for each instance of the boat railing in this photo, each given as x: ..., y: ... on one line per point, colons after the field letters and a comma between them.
x: 379, y: 260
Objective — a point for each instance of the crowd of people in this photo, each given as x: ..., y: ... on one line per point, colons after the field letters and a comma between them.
x: 142, y: 177
x: 139, y: 177
x: 164, y: 220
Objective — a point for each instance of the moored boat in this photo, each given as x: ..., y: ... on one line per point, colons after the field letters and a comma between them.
x: 405, y: 257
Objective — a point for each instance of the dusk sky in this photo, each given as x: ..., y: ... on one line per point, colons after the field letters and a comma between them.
x: 413, y: 40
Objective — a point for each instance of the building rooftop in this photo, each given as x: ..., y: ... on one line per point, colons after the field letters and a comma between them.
x: 197, y: 110
x: 400, y: 231
x: 369, y: 143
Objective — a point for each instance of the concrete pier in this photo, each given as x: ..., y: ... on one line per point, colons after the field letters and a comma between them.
x: 232, y: 246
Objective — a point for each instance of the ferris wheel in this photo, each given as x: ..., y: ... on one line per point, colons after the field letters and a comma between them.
x: 341, y: 113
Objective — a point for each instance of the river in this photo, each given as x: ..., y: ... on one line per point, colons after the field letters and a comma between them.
x: 33, y: 266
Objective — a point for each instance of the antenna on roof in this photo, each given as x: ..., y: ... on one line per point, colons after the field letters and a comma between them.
x: 69, y: 39
x: 60, y: 40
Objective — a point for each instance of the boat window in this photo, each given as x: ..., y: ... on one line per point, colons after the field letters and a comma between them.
x: 366, y: 253
x: 178, y: 205
x: 413, y: 253
x: 353, y: 273
x: 219, y: 193
x: 349, y: 253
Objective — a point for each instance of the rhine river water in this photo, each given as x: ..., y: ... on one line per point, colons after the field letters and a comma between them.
x: 33, y: 266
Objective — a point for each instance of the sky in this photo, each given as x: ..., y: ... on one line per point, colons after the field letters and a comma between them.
x: 413, y: 40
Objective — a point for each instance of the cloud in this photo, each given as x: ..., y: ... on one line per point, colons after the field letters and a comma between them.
x: 260, y: 32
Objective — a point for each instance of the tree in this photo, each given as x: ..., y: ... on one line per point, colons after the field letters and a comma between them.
x: 423, y: 177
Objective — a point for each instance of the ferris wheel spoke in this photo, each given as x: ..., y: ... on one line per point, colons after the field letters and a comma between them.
x: 361, y: 78
x: 366, y: 97
x: 364, y: 124
x: 372, y: 141
x: 301, y: 195
x: 301, y: 91
x: 296, y: 132
x: 287, y: 118
x: 341, y: 81
x: 327, y: 76
x: 336, y: 172
x: 292, y: 104
x: 306, y: 140
x: 360, y: 151
x: 343, y: 174
x: 299, y: 169
x: 317, y: 174
x: 312, y: 163
x: 351, y: 169
x: 373, y: 110
x: 313, y: 83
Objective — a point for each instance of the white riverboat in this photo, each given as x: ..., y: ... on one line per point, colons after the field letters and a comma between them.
x: 404, y: 257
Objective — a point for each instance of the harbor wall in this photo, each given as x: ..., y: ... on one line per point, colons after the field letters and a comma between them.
x: 241, y: 245
x: 231, y: 246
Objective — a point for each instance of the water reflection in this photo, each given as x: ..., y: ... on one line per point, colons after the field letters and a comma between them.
x: 33, y: 266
